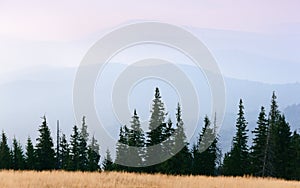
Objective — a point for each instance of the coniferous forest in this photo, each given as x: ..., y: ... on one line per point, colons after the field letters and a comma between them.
x: 274, y: 152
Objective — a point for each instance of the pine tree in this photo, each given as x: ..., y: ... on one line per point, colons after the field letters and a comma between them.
x: 169, y: 150
x: 45, y: 154
x: 273, y: 121
x: 155, y: 134
x: 57, y: 152
x: 283, y: 149
x: 83, y: 149
x: 93, y: 155
x: 64, y: 153
x: 258, y: 149
x: 181, y: 159
x: 122, y: 150
x: 84, y: 130
x: 75, y: 149
x: 279, y: 142
x: 136, y: 143
x: 18, y: 161
x: 236, y: 162
x: 107, y: 164
x: 30, y: 158
x: 207, y: 150
x: 169, y: 138
x: 5, y: 157
x: 217, y: 147
x: 295, y: 157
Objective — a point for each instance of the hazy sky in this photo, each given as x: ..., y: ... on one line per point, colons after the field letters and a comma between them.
x: 37, y: 33
x: 257, y: 40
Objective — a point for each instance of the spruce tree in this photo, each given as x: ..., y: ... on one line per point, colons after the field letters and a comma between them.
x: 83, y: 149
x: 169, y: 138
x: 279, y: 142
x: 84, y: 130
x: 18, y: 161
x: 207, y: 150
x: 122, y: 150
x: 272, y: 137
x: 75, y: 149
x: 236, y: 162
x: 5, y: 157
x: 258, y: 149
x: 136, y: 142
x: 57, y: 152
x: 30, y: 158
x: 155, y: 134
x: 283, y: 149
x: 169, y: 150
x: 107, y: 164
x: 217, y: 147
x: 64, y: 153
x: 181, y: 159
x: 45, y: 154
x: 295, y: 157
x: 93, y: 155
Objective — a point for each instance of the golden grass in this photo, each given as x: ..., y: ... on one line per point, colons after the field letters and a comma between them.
x: 60, y: 179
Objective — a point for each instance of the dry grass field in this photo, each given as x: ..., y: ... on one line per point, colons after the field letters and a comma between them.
x: 61, y: 179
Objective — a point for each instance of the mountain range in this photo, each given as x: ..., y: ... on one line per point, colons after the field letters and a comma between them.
x: 49, y: 92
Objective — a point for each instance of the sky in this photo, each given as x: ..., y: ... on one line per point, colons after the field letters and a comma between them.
x: 38, y: 33
x: 257, y: 40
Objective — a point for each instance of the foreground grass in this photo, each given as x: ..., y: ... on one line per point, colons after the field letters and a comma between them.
x: 58, y: 179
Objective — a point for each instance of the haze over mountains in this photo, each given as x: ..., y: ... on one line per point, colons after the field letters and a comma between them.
x: 271, y: 60
x: 50, y: 91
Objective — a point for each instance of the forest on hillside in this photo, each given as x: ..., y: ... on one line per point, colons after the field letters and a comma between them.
x: 274, y: 152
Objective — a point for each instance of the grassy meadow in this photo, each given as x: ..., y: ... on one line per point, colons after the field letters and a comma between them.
x: 60, y: 179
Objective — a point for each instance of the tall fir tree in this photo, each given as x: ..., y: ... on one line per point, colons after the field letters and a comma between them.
x: 122, y: 150
x: 155, y: 134
x: 279, y: 141
x: 30, y: 158
x: 93, y: 155
x: 217, y: 146
x: 75, y: 149
x: 181, y: 159
x: 64, y: 153
x: 236, y: 162
x: 18, y: 161
x: 273, y: 121
x: 283, y: 149
x: 5, y: 157
x: 84, y: 130
x: 136, y: 143
x: 258, y: 149
x: 295, y: 159
x: 169, y: 150
x: 45, y: 154
x: 207, y: 151
x: 169, y: 138
x: 57, y: 152
x: 83, y: 149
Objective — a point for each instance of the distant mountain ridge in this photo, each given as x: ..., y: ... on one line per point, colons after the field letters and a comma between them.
x: 49, y: 92
x: 292, y: 114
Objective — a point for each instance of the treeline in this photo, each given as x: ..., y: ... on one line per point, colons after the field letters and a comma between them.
x: 74, y: 155
x: 274, y: 152
x: 169, y: 139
